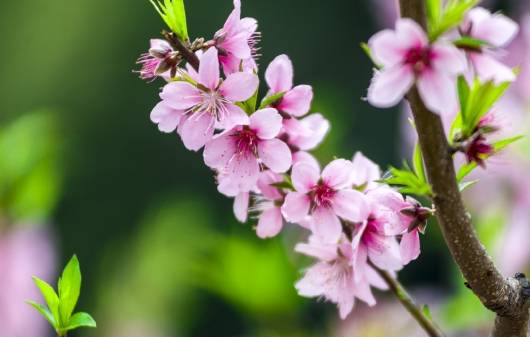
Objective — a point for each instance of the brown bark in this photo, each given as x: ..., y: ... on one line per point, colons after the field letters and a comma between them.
x: 503, y: 296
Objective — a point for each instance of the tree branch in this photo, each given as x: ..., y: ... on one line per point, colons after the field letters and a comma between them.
x: 408, y: 302
x: 503, y: 296
x: 184, y: 51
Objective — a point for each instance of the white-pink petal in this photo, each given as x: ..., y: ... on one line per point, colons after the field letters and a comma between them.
x: 326, y: 224
x: 448, y: 59
x: 489, y: 69
x: 295, y: 207
x: 338, y: 173
x: 235, y: 116
x: 270, y: 223
x: 410, y: 34
x: 410, y: 246
x: 305, y: 176
x: 209, y: 69
x: 365, y: 171
x: 384, y: 252
x: 496, y: 29
x: 196, y: 130
x: 275, y: 154
x: 350, y: 205
x: 218, y: 151
x: 241, y: 206
x: 297, y: 101
x: 386, y: 48
x: 279, y: 74
x: 390, y: 85
x: 267, y: 123
x: 181, y: 95
x: 239, y: 87
x: 166, y: 117
x: 438, y: 91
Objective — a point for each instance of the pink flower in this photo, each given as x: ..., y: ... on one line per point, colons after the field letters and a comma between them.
x: 333, y: 276
x: 327, y: 198
x: 407, y: 58
x: 365, y: 172
x: 166, y: 117
x: 210, y: 103
x: 307, y: 133
x: 497, y: 30
x: 279, y: 76
x: 236, y: 41
x: 240, y: 152
x: 157, y: 62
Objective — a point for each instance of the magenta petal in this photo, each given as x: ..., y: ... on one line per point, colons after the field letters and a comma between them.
x: 166, y: 117
x: 438, y: 92
x: 266, y: 122
x: 350, y: 205
x: 270, y: 223
x: 218, y: 151
x: 326, y: 224
x: 297, y: 101
x: 239, y: 86
x: 209, y: 69
x: 279, y: 74
x: 410, y: 246
x: 338, y: 174
x: 275, y: 154
x: 196, y: 130
x: 295, y: 207
x: 181, y: 95
x: 389, y: 86
x: 304, y: 176
x: 241, y: 206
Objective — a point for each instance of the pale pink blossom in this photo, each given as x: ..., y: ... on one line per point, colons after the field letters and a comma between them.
x: 211, y: 103
x: 407, y: 58
x: 166, y: 117
x: 268, y: 205
x: 365, y: 172
x: 333, y: 276
x: 327, y: 198
x: 279, y: 76
x: 307, y: 133
x: 497, y: 31
x: 241, y: 152
x: 236, y: 42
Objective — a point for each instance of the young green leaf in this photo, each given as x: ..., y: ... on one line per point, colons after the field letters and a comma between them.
x: 80, y: 319
x: 465, y: 170
x: 418, y: 163
x: 407, y: 181
x: 466, y: 184
x: 501, y: 144
x: 44, y: 312
x: 173, y: 13
x: 467, y: 42
x: 50, y: 297
x: 452, y: 15
x: 366, y: 48
x: 69, y: 289
x: 249, y: 106
x: 270, y: 100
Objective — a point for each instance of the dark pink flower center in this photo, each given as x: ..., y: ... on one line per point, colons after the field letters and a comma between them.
x: 322, y: 194
x: 478, y: 150
x: 246, y: 142
x: 419, y: 58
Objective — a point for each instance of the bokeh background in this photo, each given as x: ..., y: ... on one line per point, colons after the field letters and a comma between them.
x: 83, y: 170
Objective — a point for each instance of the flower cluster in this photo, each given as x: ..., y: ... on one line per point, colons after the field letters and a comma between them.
x: 356, y: 225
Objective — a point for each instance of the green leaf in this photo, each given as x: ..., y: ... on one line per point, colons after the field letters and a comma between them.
x: 464, y: 185
x: 407, y: 181
x: 173, y: 13
x: 44, y: 312
x: 51, y: 298
x: 270, y: 100
x: 467, y: 42
x: 69, y: 289
x: 80, y: 319
x: 501, y: 144
x: 434, y: 11
x: 366, y: 48
x: 465, y: 170
x: 443, y: 20
x: 417, y: 162
x: 249, y: 106
x: 426, y: 311
x: 463, y: 94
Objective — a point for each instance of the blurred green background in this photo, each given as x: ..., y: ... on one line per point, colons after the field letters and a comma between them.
x: 160, y: 250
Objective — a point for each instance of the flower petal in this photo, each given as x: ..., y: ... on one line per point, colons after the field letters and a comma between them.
x: 266, y: 122
x: 275, y: 154
x: 313, y: 130
x: 384, y: 252
x: 270, y: 223
x: 218, y: 151
x: 497, y: 29
x: 243, y: 171
x: 389, y: 86
x: 410, y: 246
x: 350, y: 205
x: 209, y: 69
x: 304, y: 176
x: 297, y: 101
x: 448, y: 59
x: 386, y: 48
x: 240, y: 86
x: 295, y: 206
x: 181, y: 95
x: 438, y: 91
x: 338, y: 174
x: 488, y: 68
x: 326, y: 224
x: 234, y: 116
x: 365, y: 171
x: 300, y: 157
x: 196, y: 130
x: 241, y: 206
x: 279, y: 74
x: 410, y: 34
x: 166, y: 117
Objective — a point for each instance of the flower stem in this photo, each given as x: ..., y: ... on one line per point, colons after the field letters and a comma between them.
x: 186, y: 53
x: 408, y: 302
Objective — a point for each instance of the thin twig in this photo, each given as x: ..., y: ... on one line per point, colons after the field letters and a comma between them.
x: 408, y: 302
x: 186, y: 53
